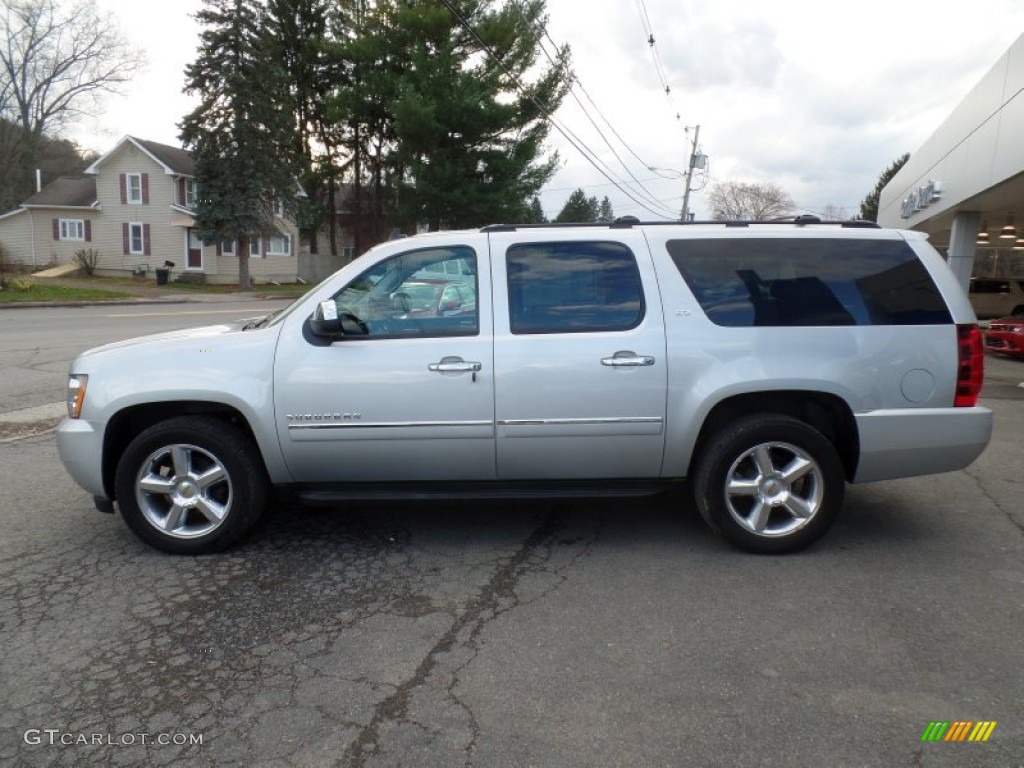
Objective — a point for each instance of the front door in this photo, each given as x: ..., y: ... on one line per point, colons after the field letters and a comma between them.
x: 194, y: 255
x: 411, y: 398
x: 580, y: 357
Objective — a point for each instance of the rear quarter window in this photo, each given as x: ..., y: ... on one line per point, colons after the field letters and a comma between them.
x: 808, y: 282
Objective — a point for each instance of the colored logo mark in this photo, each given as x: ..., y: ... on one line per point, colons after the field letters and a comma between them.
x: 958, y: 730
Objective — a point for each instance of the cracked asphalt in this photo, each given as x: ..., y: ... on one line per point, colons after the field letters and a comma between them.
x: 517, y: 634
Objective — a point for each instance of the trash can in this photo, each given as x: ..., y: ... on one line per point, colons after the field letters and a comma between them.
x: 161, y: 275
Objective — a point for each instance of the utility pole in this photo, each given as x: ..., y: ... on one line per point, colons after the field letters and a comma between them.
x: 689, y: 175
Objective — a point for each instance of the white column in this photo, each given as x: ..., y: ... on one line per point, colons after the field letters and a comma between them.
x: 962, y: 243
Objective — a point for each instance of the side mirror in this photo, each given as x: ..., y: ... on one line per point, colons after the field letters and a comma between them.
x: 326, y: 322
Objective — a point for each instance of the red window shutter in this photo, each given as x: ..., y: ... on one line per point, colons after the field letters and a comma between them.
x: 219, y: 249
x: 123, y: 181
x: 181, y: 190
x: 124, y: 236
x: 145, y: 189
x: 145, y: 236
x: 56, y: 229
x: 88, y: 231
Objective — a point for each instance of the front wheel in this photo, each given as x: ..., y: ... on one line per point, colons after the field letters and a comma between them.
x: 769, y: 484
x: 191, y: 485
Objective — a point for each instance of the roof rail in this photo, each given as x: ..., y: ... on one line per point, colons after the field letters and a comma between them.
x: 627, y: 222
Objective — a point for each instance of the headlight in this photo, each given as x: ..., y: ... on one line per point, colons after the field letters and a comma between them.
x: 76, y: 394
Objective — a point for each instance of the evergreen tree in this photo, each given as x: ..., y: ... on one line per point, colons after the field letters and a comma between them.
x: 241, y: 132
x: 578, y: 208
x: 869, y: 206
x: 468, y: 125
x: 605, y: 211
x: 535, y: 212
x: 297, y: 35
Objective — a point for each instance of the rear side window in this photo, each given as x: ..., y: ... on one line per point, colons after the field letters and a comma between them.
x: 573, y: 288
x: 809, y: 282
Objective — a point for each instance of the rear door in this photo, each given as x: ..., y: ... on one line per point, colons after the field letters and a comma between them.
x: 579, y: 355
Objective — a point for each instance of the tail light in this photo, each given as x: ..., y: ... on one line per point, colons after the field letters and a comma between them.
x: 970, y: 371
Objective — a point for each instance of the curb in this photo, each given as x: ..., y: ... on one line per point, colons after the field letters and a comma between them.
x: 137, y: 302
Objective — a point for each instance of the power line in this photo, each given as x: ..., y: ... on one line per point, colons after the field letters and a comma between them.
x: 545, y: 111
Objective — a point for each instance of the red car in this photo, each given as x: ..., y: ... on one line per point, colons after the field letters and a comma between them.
x: 1006, y: 335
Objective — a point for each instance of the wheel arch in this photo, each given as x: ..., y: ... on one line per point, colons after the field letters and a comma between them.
x: 827, y: 413
x: 129, y: 422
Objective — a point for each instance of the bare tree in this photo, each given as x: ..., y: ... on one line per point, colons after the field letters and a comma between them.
x: 736, y: 200
x: 56, y: 61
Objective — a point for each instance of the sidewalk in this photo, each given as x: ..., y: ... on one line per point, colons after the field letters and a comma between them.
x: 30, y: 422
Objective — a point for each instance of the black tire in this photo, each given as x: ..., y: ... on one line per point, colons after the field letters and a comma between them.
x: 191, y: 485
x: 769, y: 510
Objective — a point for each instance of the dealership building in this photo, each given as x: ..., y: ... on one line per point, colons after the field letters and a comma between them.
x: 965, y: 185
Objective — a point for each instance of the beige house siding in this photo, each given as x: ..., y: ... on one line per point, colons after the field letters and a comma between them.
x: 28, y: 234
x: 168, y: 235
x: 16, y: 236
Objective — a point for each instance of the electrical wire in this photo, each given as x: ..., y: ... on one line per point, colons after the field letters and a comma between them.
x: 568, y: 135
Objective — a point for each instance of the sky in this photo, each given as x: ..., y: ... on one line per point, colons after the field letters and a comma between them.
x: 803, y: 95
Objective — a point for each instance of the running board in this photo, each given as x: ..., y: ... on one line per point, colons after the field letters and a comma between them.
x: 331, y: 494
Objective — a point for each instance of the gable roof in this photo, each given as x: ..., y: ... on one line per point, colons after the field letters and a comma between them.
x: 65, y: 192
x: 174, y: 160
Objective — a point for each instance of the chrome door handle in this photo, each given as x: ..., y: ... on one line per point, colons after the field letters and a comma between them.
x: 627, y: 359
x: 454, y: 365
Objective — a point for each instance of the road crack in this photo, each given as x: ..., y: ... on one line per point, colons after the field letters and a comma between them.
x: 497, y: 597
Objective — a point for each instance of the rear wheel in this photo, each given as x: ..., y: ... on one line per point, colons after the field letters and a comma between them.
x: 769, y: 484
x: 191, y: 485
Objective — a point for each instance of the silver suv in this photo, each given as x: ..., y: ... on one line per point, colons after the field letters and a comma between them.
x: 766, y: 363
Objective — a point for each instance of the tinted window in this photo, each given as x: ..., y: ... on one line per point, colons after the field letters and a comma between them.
x: 805, y: 282
x: 416, y: 294
x: 990, y: 286
x: 573, y: 287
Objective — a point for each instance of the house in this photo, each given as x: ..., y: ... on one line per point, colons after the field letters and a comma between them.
x: 136, y: 207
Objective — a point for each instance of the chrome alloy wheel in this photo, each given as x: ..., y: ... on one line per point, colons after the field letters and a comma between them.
x: 774, y: 489
x: 183, y: 491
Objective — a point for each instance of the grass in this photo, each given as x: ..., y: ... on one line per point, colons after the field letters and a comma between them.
x: 59, y: 293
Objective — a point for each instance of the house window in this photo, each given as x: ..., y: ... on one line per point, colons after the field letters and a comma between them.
x: 72, y: 229
x: 190, y: 193
x: 348, y: 252
x: 136, y: 239
x: 228, y: 247
x: 279, y: 245
x: 278, y: 209
x: 133, y: 188
x: 254, y: 247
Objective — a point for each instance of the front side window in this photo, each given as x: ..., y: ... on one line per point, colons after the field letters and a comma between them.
x: 134, y: 188
x: 190, y: 193
x: 412, y: 295
x: 72, y: 229
x: 254, y: 247
x: 745, y: 282
x: 228, y: 248
x: 573, y: 288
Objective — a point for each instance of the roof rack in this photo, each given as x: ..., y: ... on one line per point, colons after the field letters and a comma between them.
x: 627, y: 222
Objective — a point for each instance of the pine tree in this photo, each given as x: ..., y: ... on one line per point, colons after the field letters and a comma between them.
x: 535, y: 212
x: 468, y: 125
x: 578, y: 208
x: 605, y: 211
x: 241, y: 132
x: 869, y: 206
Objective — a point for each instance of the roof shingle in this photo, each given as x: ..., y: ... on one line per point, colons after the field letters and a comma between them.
x: 74, y: 191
